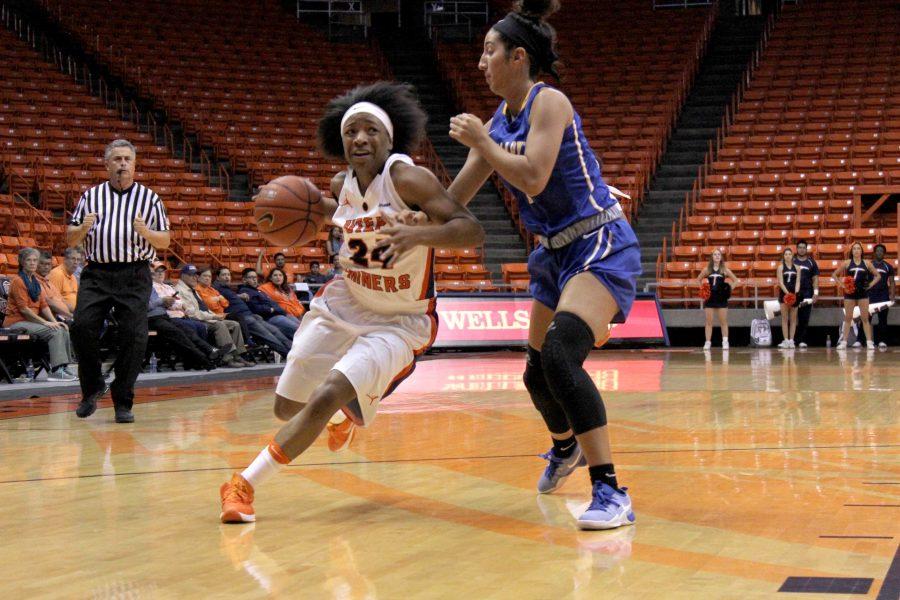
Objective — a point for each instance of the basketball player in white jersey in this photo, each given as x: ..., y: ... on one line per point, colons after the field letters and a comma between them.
x: 364, y: 330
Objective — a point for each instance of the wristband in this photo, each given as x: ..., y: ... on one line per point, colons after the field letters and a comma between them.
x: 816, y: 292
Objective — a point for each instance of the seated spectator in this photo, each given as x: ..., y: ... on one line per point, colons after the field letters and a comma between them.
x: 316, y: 276
x: 27, y: 312
x: 279, y: 258
x: 63, y: 277
x: 337, y: 268
x: 237, y: 309
x: 263, y: 306
x: 196, y: 331
x: 4, y: 297
x: 335, y: 241
x: 58, y: 306
x: 227, y: 333
x: 192, y: 355
x: 278, y: 289
x: 79, y: 262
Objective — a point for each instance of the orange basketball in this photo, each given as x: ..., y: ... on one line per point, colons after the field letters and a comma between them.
x: 289, y: 211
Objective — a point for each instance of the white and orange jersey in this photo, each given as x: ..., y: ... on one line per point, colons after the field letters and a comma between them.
x: 408, y: 286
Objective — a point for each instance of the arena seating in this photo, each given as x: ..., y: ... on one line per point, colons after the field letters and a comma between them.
x: 818, y: 120
x: 259, y: 114
x: 627, y: 86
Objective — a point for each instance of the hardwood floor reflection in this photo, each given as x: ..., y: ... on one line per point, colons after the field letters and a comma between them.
x: 745, y: 469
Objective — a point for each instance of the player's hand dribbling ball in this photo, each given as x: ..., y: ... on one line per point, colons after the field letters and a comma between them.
x: 289, y: 211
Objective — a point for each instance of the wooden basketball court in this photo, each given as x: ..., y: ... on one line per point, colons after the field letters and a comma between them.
x: 750, y: 473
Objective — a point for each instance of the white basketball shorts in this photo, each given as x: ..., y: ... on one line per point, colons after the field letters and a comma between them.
x: 374, y: 351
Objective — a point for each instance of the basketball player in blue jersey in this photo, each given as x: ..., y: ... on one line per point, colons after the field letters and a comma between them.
x: 583, y: 273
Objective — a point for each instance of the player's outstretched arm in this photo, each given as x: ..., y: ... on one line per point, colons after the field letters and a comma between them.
x: 551, y: 114
x: 471, y: 177
x: 452, y: 225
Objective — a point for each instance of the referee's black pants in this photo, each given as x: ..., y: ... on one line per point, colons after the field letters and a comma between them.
x: 803, y: 315
x: 126, y: 288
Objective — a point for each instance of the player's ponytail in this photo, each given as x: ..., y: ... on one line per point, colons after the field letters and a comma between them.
x: 526, y: 27
x: 536, y: 9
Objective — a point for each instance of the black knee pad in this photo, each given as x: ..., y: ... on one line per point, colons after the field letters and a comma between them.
x: 568, y: 342
x: 540, y: 393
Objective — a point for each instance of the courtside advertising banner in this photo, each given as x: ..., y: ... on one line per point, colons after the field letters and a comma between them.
x: 467, y: 321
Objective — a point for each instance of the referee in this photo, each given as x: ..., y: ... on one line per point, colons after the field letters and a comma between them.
x: 120, y: 222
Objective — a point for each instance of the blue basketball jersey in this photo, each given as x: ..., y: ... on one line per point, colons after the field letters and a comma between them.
x: 575, y: 190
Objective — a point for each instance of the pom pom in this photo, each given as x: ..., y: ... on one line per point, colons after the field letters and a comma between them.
x: 849, y: 285
x: 705, y: 291
x: 790, y: 299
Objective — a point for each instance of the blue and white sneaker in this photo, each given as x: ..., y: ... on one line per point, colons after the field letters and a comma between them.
x: 559, y: 468
x: 610, y: 508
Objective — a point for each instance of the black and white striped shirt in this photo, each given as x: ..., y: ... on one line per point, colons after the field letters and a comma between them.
x: 113, y: 238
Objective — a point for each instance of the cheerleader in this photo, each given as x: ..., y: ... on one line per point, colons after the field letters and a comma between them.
x: 718, y: 279
x: 859, y: 276
x: 788, y: 288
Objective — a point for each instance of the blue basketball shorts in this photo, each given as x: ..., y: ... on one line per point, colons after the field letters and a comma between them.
x: 611, y: 253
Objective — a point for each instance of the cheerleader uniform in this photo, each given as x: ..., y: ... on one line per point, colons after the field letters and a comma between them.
x: 861, y: 276
x: 789, y: 279
x: 719, y: 290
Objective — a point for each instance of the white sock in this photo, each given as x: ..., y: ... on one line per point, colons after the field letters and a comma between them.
x: 724, y: 339
x: 269, y: 462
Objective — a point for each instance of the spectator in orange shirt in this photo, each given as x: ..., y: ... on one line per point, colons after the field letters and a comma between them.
x: 58, y: 306
x: 28, y: 312
x: 63, y: 278
x: 215, y: 301
x: 278, y: 289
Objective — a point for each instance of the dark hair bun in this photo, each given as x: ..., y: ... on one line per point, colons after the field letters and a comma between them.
x: 536, y: 9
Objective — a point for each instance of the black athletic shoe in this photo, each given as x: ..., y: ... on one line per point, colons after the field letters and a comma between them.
x: 88, y: 405
x: 124, y: 415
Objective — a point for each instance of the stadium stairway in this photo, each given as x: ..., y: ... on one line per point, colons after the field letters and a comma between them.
x: 412, y: 60
x: 730, y: 47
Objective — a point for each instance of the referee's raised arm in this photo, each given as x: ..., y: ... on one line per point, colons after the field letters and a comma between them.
x: 120, y: 223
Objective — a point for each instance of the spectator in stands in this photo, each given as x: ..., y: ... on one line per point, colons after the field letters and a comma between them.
x: 237, y: 309
x: 278, y: 289
x: 27, y: 312
x: 62, y: 277
x: 4, y: 297
x: 721, y: 281
x: 788, y: 283
x: 808, y: 272
x: 170, y: 335
x: 55, y: 301
x: 196, y: 331
x: 883, y: 291
x: 279, y: 258
x: 864, y: 277
x: 227, y: 333
x: 79, y: 261
x: 336, y: 268
x: 263, y: 306
x: 335, y: 241
x: 316, y: 276
x: 121, y: 224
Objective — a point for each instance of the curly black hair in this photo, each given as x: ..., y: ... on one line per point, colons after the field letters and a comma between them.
x: 398, y: 100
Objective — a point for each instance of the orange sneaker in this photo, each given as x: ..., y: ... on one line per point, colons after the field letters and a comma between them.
x: 340, y: 432
x: 237, y: 501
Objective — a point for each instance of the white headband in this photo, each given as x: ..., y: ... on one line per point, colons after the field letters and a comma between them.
x: 373, y: 110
